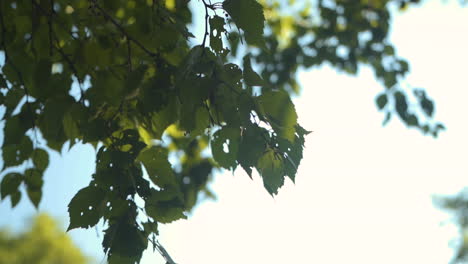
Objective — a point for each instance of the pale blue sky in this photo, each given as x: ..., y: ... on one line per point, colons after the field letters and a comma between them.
x: 363, y: 193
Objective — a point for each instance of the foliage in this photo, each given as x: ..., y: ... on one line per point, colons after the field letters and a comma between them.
x: 457, y: 205
x: 43, y: 243
x: 128, y: 78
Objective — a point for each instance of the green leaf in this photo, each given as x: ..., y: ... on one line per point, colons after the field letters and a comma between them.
x: 165, y: 206
x: 250, y: 76
x: 124, y: 242
x: 248, y: 16
x: 15, y: 198
x: 12, y: 100
x: 10, y: 184
x: 40, y: 158
x: 401, y: 104
x: 251, y: 147
x: 159, y: 169
x: 381, y: 101
x: 85, y: 207
x: 41, y: 78
x: 279, y: 109
x: 14, y: 155
x: 292, y: 152
x: 94, y: 54
x: 224, y: 146
x: 14, y: 131
x: 34, y: 182
x: 216, y: 29
x: 70, y: 126
x: 270, y: 167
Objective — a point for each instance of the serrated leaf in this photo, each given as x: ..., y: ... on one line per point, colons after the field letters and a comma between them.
x: 159, y: 169
x: 248, y: 16
x: 270, y: 167
x: 151, y: 228
x: 40, y: 158
x: 165, y: 206
x: 251, y: 147
x: 124, y: 242
x: 85, y: 208
x: 279, y: 109
x: 292, y: 152
x: 10, y: 184
x: 250, y: 76
x: 33, y: 180
x: 381, y: 101
x: 224, y: 146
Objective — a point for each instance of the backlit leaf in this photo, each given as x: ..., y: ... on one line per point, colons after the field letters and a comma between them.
x: 159, y: 169
x: 248, y: 16
x: 224, y: 146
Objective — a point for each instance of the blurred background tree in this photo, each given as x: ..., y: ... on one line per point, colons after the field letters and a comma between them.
x: 44, y: 243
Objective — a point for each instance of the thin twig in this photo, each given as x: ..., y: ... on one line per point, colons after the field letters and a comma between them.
x: 206, y: 24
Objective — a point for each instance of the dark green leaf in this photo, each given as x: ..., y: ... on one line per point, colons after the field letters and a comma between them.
x: 14, y: 155
x: 165, y: 206
x: 251, y: 147
x: 15, y: 198
x: 85, y: 207
x: 216, y: 29
x: 381, y: 101
x: 248, y: 16
x: 250, y: 76
x: 159, y: 169
x: 34, y: 182
x: 125, y: 241
x: 40, y: 159
x: 10, y: 184
x: 224, y: 146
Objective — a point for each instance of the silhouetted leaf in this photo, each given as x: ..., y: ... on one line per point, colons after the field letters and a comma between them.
x: 40, y: 159
x: 250, y: 76
x: 10, y: 184
x: 85, y: 207
x: 33, y: 180
x: 381, y: 101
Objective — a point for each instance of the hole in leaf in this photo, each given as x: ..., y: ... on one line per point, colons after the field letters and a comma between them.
x: 186, y: 180
x: 226, y: 146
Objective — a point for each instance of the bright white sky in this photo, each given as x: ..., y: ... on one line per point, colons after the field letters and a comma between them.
x: 363, y: 192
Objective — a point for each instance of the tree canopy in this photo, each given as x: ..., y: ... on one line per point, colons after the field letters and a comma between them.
x: 43, y: 243
x: 165, y: 108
